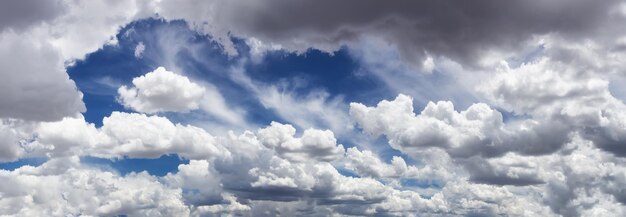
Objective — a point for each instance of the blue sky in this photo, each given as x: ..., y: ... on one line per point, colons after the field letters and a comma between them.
x: 338, y: 74
x: 325, y: 108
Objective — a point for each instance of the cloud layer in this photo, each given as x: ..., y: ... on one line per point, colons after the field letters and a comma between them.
x: 518, y: 110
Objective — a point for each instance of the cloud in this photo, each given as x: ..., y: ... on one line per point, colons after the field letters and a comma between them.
x: 122, y: 134
x: 315, y: 109
x: 276, y: 166
x: 36, y: 42
x: 565, y: 95
x: 22, y: 14
x: 314, y: 144
x: 11, y: 133
x: 272, y: 165
x: 139, y: 49
x: 165, y: 91
x: 479, y: 130
x: 160, y: 91
x: 35, y: 84
x: 63, y: 186
x: 546, y: 140
x: 463, y: 32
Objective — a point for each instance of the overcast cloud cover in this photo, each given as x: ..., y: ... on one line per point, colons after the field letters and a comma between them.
x: 313, y: 108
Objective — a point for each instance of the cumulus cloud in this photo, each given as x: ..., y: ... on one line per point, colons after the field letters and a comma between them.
x: 273, y: 165
x: 64, y: 187
x: 479, y: 130
x: 550, y: 90
x: 315, y: 144
x: 558, y: 150
x: 126, y: 134
x: 234, y: 173
x: 38, y: 39
x: 161, y: 90
x: 166, y: 91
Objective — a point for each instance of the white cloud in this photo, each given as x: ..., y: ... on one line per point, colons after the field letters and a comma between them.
x: 315, y: 109
x: 77, y: 190
x: 314, y: 144
x: 198, y: 175
x: 234, y: 172
x: 40, y: 38
x: 139, y: 49
x: 124, y: 134
x: 564, y: 156
x: 562, y: 94
x: 166, y: 91
x: 162, y: 90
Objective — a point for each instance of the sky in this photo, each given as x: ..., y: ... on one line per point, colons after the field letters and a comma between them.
x: 313, y: 108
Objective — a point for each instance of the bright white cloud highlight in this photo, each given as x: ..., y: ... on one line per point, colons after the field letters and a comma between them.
x: 160, y: 91
x: 166, y: 91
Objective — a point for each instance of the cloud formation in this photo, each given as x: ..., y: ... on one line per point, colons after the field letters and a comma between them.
x: 165, y: 91
x: 527, y: 121
x: 464, y: 32
x: 160, y: 91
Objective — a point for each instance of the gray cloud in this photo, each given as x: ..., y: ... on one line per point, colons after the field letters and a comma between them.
x: 18, y: 15
x: 458, y: 30
x: 34, y: 84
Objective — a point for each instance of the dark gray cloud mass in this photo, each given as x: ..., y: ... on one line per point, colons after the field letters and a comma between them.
x: 20, y: 14
x: 461, y: 30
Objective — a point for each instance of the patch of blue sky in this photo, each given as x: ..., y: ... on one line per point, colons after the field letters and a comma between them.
x: 23, y: 162
x: 157, y: 167
x: 426, y: 183
x: 346, y: 172
x: 175, y: 46
x: 334, y: 73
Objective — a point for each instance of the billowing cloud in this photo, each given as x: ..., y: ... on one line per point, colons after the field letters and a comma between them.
x: 462, y: 31
x: 165, y: 91
x: 64, y: 187
x: 565, y: 95
x: 316, y: 144
x: 36, y: 42
x: 161, y: 90
x: 528, y: 121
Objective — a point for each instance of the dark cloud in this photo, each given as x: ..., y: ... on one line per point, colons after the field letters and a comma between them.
x: 21, y: 14
x: 482, y: 171
x: 457, y: 29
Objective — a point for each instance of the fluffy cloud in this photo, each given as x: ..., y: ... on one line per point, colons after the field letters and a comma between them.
x: 165, y: 91
x: 126, y: 134
x: 564, y: 95
x: 230, y: 170
x: 558, y: 151
x: 64, y: 187
x: 479, y: 130
x: 38, y: 39
x: 161, y: 90
x: 314, y: 144
x: 234, y: 173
